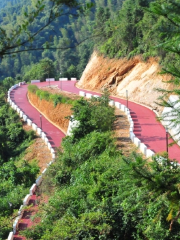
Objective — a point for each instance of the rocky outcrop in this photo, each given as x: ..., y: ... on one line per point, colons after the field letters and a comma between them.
x: 140, y: 78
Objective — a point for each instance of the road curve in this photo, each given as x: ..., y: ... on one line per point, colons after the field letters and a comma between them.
x: 146, y: 127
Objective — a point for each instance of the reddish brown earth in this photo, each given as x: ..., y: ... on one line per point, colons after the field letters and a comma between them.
x: 140, y: 78
x: 56, y: 115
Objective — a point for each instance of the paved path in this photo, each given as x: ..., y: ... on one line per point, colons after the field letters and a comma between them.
x: 19, y: 96
x: 146, y: 128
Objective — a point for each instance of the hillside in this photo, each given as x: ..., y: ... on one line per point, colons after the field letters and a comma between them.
x: 140, y: 78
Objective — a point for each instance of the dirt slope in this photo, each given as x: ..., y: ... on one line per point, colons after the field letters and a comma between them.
x: 54, y: 114
x: 138, y: 77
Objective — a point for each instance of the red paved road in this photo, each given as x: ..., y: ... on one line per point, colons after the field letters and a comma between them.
x: 146, y: 127
x: 19, y: 96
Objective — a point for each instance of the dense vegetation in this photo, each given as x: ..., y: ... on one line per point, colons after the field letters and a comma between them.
x: 16, y: 174
x: 98, y: 193
x: 64, y: 32
x: 114, y: 28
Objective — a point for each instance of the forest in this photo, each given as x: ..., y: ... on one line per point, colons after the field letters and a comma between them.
x: 97, y: 191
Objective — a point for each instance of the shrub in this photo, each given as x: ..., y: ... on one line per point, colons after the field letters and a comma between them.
x: 32, y: 88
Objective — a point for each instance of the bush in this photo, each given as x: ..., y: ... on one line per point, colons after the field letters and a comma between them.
x: 55, y: 98
x: 32, y: 88
x: 93, y: 115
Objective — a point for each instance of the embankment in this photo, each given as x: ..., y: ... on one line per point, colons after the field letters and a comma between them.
x: 56, y: 115
x: 140, y: 78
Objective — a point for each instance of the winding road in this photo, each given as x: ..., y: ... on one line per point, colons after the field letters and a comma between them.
x: 146, y: 128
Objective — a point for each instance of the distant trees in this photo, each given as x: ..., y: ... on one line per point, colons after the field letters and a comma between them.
x: 62, y: 34
x: 42, y: 70
x: 20, y: 37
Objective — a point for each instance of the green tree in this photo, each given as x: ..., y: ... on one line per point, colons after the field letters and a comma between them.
x: 92, y: 115
x: 42, y: 70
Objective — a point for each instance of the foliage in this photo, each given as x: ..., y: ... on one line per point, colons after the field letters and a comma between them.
x: 149, y: 196
x: 94, y: 114
x: 42, y: 70
x: 98, y: 193
x: 16, y: 174
x: 55, y: 98
x: 67, y: 41
x: 169, y: 43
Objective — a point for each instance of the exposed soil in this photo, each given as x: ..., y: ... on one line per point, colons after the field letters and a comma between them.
x: 140, y: 78
x: 37, y: 151
x: 121, y: 133
x: 57, y: 114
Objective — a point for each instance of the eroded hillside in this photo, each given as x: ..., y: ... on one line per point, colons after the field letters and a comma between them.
x: 140, y: 78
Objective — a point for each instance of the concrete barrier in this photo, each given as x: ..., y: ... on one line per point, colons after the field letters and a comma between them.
x: 49, y: 163
x: 118, y: 105
x: 96, y: 96
x: 24, y: 117
x: 73, y: 79
x: 132, y: 136
x: 18, y: 110
x: 43, y: 135
x: 29, y: 122
x: 11, y: 236
x: 50, y: 79
x: 49, y: 145
x: 88, y: 95
x: 123, y: 107
x: 137, y: 142
x: 130, y: 119
x: 21, y: 210
x: 34, y: 126
x: 32, y: 189
x: 169, y: 115
x: 143, y: 148
x: 21, y: 114
x: 15, y: 224
x: 63, y: 79
x: 26, y: 199
x: 46, y: 140
x: 149, y: 153
x: 43, y: 172
x: 111, y: 103
x: 52, y: 150
x: 81, y: 93
x: 39, y: 180
x: 35, y: 81
x: 132, y: 124
x: 15, y: 107
x: 39, y: 131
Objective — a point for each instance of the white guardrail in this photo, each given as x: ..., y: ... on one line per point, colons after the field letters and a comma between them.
x: 142, y: 147
x: 45, y: 139
x: 170, y: 114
